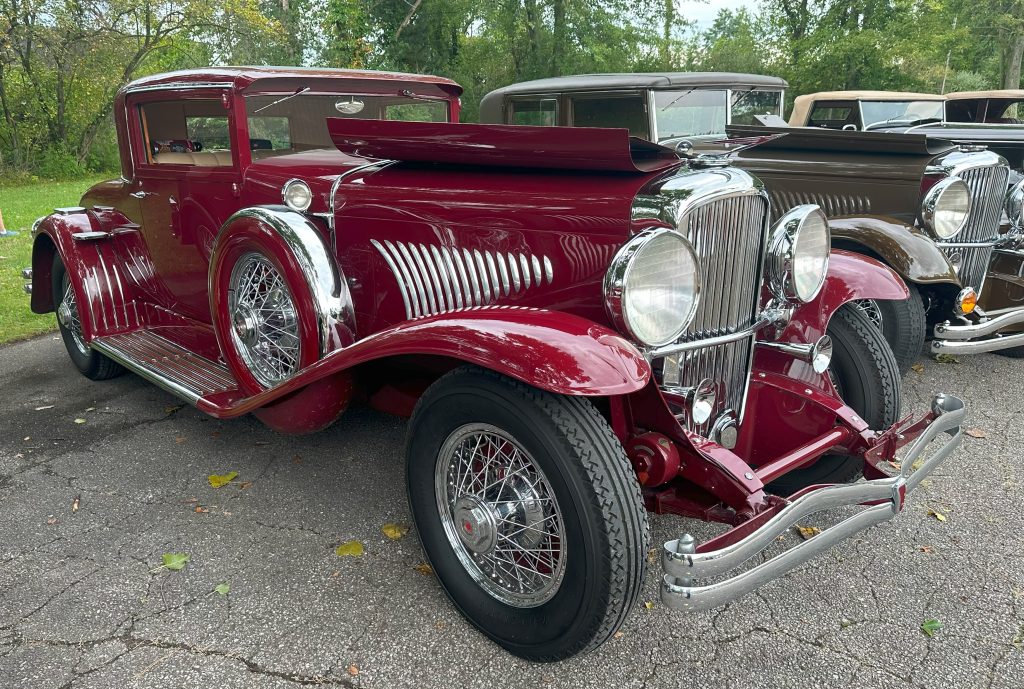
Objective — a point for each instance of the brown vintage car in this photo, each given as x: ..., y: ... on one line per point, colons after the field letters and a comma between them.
x: 930, y: 209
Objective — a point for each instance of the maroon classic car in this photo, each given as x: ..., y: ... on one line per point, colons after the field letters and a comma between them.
x: 580, y: 327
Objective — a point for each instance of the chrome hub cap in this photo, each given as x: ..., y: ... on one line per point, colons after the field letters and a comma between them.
x: 265, y: 325
x: 67, y: 315
x: 500, y: 515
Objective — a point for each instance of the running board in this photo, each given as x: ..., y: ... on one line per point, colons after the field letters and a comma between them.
x: 167, y: 364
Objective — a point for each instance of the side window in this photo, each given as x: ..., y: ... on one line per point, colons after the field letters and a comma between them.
x: 186, y: 132
x: 541, y: 112
x: 831, y: 116
x: 618, y: 111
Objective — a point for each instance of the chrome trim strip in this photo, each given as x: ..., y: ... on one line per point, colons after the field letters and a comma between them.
x: 89, y: 236
x: 394, y: 270
x: 681, y: 567
x: 172, y: 85
x: 109, y: 291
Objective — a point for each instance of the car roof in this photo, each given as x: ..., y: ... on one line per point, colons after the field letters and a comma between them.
x: 802, y: 104
x: 580, y: 82
x: 1011, y: 94
x: 241, y: 78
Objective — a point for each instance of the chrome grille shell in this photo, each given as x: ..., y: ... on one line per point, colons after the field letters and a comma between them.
x: 986, y: 175
x: 724, y: 214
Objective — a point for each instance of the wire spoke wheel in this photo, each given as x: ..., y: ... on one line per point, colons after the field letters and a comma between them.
x: 500, y: 515
x: 265, y: 325
x: 870, y: 308
x: 67, y: 314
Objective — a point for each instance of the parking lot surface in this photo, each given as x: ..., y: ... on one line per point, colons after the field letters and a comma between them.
x: 99, y: 480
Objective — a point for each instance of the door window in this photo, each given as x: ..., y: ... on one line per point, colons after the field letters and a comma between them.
x: 186, y: 132
x: 612, y: 111
x: 542, y: 112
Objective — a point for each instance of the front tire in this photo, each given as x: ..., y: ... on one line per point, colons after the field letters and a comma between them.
x: 866, y: 376
x: 902, y: 322
x: 528, y: 511
x: 88, y: 361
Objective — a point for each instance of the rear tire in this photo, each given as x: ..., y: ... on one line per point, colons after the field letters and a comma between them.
x: 866, y: 376
x: 551, y: 461
x: 88, y: 361
x: 902, y: 322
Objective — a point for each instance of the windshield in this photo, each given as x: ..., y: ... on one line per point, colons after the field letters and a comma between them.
x: 689, y: 113
x: 283, y: 123
x: 748, y: 104
x: 902, y: 111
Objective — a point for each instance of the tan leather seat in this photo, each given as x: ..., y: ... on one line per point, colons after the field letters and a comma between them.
x: 173, y: 158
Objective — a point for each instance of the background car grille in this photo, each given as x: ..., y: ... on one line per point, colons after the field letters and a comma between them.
x: 988, y: 188
x: 729, y: 237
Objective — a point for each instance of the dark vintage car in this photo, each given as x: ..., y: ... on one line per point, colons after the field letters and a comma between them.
x: 580, y: 327
x: 931, y: 210
x: 973, y: 118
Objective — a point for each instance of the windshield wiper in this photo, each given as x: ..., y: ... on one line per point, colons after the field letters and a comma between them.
x: 743, y: 96
x: 282, y: 100
x: 681, y: 96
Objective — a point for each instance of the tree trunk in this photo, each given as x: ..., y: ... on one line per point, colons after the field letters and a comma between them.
x: 666, y: 35
x: 12, y: 124
x: 558, y: 35
x: 1011, y: 69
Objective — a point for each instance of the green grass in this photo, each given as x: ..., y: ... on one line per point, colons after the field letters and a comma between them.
x: 20, y: 206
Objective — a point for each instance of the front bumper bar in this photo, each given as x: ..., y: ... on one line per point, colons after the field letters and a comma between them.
x: 960, y: 339
x: 883, y: 499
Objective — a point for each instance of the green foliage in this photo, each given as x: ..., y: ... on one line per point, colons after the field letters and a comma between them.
x: 59, y: 164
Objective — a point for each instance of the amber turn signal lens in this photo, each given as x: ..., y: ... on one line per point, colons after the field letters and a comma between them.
x: 966, y: 301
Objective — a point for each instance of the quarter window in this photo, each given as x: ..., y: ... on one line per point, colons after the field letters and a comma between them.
x: 541, y: 113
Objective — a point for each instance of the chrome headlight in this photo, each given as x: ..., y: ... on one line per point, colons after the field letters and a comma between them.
x: 1014, y: 205
x: 652, y: 287
x: 296, y: 195
x: 945, y: 207
x: 798, y: 254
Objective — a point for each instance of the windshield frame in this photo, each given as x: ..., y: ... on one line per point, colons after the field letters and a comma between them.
x: 730, y: 94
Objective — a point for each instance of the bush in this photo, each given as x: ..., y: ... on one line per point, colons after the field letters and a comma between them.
x: 59, y: 164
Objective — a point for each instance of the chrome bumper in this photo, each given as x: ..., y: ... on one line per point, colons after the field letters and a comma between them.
x: 959, y: 339
x: 883, y: 497
x: 26, y: 274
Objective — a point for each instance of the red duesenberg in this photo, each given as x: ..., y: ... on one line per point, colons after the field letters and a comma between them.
x: 579, y: 324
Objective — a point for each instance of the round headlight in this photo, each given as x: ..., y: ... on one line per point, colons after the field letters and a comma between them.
x: 652, y: 287
x: 798, y: 259
x: 945, y: 207
x: 296, y: 195
x: 1015, y: 203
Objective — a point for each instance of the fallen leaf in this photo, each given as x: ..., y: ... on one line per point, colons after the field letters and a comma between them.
x: 652, y: 555
x: 76, y: 503
x: 349, y: 549
x: 27, y: 438
x: 649, y: 604
x: 215, y: 434
x: 917, y: 368
x: 808, y: 532
x: 296, y: 460
x: 226, y: 513
x: 336, y: 573
x: 173, y: 408
x: 353, y: 670
x: 976, y: 433
x: 175, y: 561
x: 930, y: 626
x: 394, y: 531
x: 927, y: 549
x: 424, y: 569
x: 48, y: 406
x: 222, y: 589
x: 946, y: 359
x: 201, y: 510
x: 895, y: 464
x: 244, y: 484
x: 90, y: 408
x: 260, y: 443
x: 51, y: 521
x: 218, y: 480
x: 938, y: 515
x: 618, y: 634
x: 76, y: 421
x: 1018, y: 639
x: 179, y: 440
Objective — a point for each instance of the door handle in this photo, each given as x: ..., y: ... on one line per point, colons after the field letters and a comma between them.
x: 139, y: 194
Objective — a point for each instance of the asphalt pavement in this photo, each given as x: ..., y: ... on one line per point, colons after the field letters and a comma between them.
x: 89, y: 508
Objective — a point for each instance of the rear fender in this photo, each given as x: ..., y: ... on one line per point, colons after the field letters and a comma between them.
x: 556, y: 352
x: 850, y: 277
x: 904, y: 248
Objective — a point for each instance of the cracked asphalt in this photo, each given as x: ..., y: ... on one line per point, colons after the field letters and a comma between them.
x: 83, y: 602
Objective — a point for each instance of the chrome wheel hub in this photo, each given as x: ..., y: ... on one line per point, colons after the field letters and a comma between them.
x: 264, y: 322
x: 64, y: 315
x: 500, y: 515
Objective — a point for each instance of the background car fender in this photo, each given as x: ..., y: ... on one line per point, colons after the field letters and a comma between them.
x: 904, y: 248
x: 850, y: 277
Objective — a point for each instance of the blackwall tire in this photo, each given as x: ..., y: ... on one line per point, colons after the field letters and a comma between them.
x: 88, y: 361
x: 866, y: 376
x: 595, y: 559
x: 902, y: 322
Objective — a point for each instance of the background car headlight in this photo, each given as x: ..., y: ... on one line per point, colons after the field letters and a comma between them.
x: 296, y: 195
x: 652, y: 287
x: 1015, y: 203
x: 798, y: 254
x: 945, y: 207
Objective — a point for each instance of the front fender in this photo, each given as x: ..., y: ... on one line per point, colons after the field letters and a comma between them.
x: 553, y: 351
x: 904, y: 248
x: 850, y: 277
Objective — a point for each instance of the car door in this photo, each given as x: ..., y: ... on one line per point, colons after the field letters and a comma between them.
x: 187, y: 183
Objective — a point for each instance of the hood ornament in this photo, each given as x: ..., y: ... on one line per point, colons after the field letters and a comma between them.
x: 685, y: 149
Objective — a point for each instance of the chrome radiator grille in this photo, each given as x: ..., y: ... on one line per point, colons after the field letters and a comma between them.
x: 729, y: 238
x: 988, y: 187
